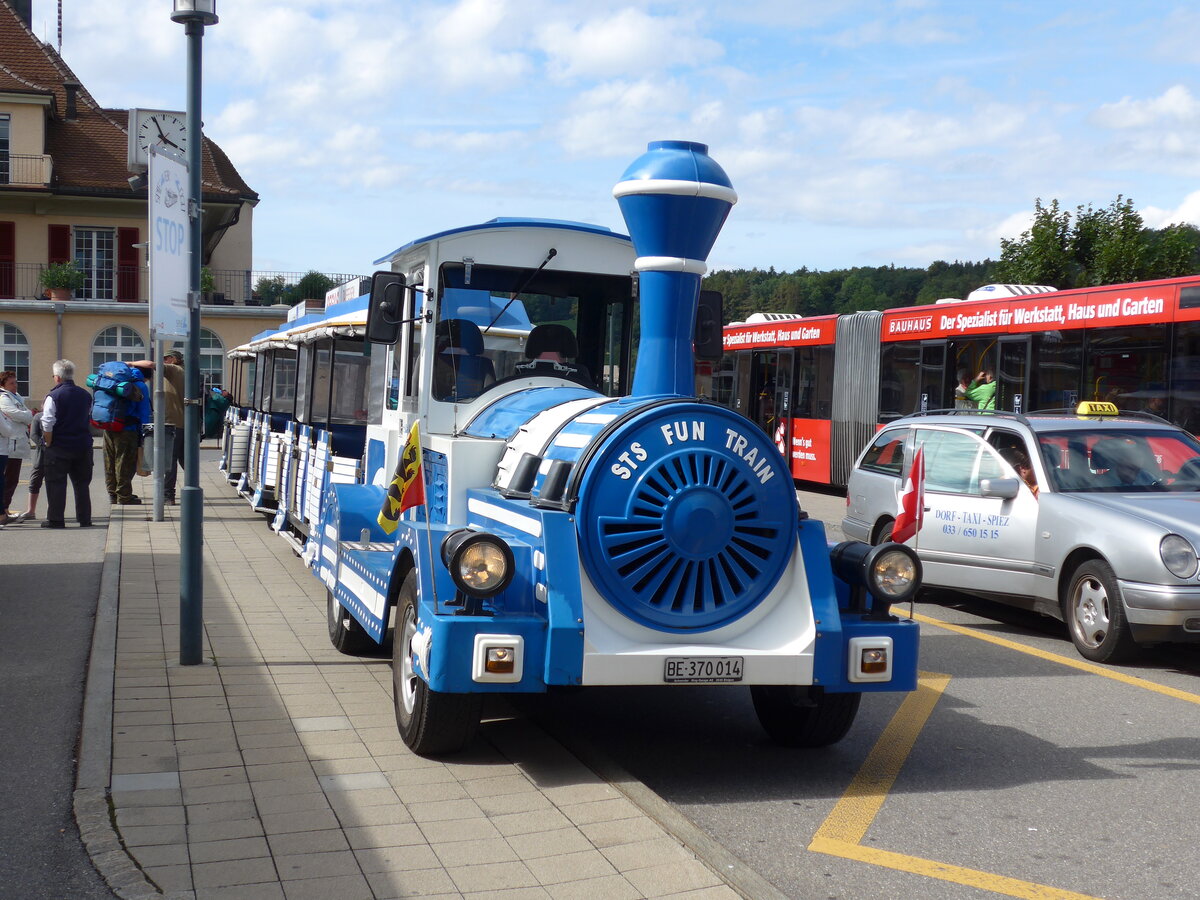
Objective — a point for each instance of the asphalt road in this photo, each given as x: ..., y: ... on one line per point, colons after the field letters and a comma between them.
x: 1035, y: 773
x: 49, y: 585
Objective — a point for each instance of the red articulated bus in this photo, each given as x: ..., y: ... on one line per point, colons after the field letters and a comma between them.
x: 821, y: 386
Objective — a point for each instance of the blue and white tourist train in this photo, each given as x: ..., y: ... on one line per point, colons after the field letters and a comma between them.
x: 565, y: 512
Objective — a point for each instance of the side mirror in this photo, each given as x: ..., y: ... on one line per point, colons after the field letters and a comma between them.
x: 385, y: 314
x: 707, y: 340
x: 1004, y: 488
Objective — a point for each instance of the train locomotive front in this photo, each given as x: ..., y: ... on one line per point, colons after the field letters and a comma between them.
x: 568, y: 537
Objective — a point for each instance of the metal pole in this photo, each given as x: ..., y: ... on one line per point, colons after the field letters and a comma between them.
x: 158, y: 444
x: 191, y: 507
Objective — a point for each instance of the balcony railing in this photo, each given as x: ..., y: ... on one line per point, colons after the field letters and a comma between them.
x: 24, y: 170
x: 230, y: 287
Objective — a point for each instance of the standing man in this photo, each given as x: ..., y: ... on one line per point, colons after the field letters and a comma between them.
x: 173, y: 391
x: 67, y: 432
x: 982, y: 391
x: 121, y: 447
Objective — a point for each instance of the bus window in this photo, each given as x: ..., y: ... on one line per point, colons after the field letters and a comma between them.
x: 1057, y: 364
x: 814, y: 383
x: 1122, y: 366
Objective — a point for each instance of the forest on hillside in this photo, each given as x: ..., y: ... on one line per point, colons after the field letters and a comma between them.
x: 1093, y: 246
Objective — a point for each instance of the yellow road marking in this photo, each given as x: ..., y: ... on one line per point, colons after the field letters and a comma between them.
x: 853, y: 814
x: 1071, y: 662
x: 846, y: 825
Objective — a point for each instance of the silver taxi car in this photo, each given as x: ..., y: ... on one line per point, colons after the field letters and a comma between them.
x: 1087, y: 515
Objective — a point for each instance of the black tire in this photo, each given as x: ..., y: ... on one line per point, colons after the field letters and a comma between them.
x: 883, y: 532
x: 804, y: 716
x: 1095, y: 615
x: 346, y: 635
x: 430, y: 722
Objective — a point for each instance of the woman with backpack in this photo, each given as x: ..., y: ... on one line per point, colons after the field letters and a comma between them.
x: 14, y: 442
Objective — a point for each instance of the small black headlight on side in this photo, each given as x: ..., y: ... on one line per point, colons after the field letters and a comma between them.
x: 890, y: 573
x: 481, y: 564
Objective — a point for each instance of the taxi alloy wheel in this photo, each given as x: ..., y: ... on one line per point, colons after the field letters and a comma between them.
x: 1095, y: 616
x: 430, y: 722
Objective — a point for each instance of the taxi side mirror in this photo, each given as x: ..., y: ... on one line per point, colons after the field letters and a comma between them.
x: 1004, y: 488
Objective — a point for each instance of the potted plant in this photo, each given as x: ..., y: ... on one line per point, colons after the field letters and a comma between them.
x: 61, y: 279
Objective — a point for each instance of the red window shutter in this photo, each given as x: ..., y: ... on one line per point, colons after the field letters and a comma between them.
x: 60, y: 244
x: 128, y: 270
x: 8, y: 258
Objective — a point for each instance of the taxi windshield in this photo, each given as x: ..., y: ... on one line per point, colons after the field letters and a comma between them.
x: 1132, y: 460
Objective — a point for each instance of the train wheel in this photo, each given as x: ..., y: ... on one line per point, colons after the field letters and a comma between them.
x: 430, y: 722
x: 803, y: 716
x: 1095, y: 617
x: 346, y: 635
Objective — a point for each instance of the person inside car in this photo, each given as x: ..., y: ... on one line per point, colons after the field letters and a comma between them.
x: 1019, y: 460
x: 1120, y: 456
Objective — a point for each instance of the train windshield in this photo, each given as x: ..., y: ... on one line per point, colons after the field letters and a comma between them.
x: 498, y: 323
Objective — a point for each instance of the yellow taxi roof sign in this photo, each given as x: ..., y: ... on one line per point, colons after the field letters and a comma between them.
x: 1097, y: 408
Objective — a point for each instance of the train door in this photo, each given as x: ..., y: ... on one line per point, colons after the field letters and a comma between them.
x: 1012, y: 376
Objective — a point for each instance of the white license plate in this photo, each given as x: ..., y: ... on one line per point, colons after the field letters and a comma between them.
x: 709, y: 669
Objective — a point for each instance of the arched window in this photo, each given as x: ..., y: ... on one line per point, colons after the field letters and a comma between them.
x: 212, y: 359
x: 14, y: 355
x: 117, y: 342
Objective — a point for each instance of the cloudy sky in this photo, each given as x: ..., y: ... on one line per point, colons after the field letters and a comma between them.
x: 856, y: 132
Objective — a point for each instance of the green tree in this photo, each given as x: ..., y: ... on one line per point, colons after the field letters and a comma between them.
x: 1041, y: 255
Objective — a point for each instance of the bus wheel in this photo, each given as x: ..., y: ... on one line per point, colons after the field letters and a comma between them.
x: 430, y: 722
x: 346, y: 635
x: 1095, y: 616
x: 804, y: 716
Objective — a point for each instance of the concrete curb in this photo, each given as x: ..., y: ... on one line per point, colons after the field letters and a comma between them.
x: 92, y: 814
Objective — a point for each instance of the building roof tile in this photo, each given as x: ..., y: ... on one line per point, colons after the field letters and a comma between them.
x: 88, y: 149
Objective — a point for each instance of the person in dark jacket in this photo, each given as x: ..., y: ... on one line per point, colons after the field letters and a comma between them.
x: 67, y: 432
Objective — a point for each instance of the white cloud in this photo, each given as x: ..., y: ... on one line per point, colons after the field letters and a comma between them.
x: 1188, y: 211
x: 1175, y: 105
x: 609, y: 119
x: 627, y: 44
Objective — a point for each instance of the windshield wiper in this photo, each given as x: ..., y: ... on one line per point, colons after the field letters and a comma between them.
x: 524, y: 284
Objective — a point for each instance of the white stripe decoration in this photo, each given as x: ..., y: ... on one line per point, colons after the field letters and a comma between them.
x: 670, y: 264
x: 677, y: 187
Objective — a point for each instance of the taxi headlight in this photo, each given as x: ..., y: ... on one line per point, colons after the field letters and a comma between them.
x: 1178, y: 555
x: 480, y: 564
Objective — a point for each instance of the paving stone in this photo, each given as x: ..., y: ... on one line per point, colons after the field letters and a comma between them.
x: 237, y: 848
x: 492, y: 876
x: 646, y: 853
x: 308, y: 842
x: 570, y: 867
x: 391, y: 884
x: 672, y: 878
x: 316, y: 865
x: 344, y: 887
x: 234, y: 872
x: 395, y: 835
x: 536, y: 845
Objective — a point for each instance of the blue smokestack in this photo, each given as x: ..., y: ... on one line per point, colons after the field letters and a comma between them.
x: 674, y: 198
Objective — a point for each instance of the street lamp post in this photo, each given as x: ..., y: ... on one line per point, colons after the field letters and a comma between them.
x: 194, y: 14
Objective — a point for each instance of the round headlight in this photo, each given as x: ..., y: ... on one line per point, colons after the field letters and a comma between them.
x: 480, y: 564
x: 893, y: 574
x: 1178, y: 555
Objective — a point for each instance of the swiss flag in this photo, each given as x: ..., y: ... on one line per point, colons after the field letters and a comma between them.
x: 912, y: 501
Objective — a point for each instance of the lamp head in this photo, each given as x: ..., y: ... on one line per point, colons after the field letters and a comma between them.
x: 202, y: 11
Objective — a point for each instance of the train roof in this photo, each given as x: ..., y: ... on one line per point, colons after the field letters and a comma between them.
x: 506, y: 222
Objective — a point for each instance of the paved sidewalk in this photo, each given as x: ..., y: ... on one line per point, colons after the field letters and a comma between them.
x: 275, y: 769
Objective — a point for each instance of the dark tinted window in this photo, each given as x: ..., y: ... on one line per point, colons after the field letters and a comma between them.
x: 886, y: 453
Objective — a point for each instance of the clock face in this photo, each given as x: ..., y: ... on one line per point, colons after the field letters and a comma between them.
x: 162, y: 130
